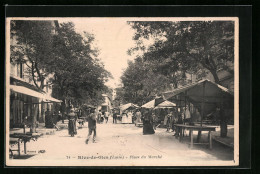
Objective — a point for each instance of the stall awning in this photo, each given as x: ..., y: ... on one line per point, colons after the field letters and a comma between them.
x: 128, y: 105
x: 153, y: 103
x: 165, y: 104
x: 213, y: 94
x: 51, y: 99
x: 30, y: 92
x: 213, y: 91
x: 26, y: 91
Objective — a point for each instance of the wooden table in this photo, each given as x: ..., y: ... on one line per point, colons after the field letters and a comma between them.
x: 24, y: 138
x: 182, y: 127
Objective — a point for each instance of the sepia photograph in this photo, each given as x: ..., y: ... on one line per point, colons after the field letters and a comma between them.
x: 122, y: 91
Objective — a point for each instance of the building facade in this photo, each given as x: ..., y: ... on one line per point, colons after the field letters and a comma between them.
x: 26, y: 100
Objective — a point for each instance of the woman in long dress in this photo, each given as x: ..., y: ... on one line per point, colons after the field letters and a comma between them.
x: 138, y: 117
x: 72, y: 124
x: 147, y: 123
x: 129, y: 117
x: 124, y: 118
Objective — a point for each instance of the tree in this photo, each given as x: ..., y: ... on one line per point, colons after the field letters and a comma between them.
x: 140, y: 83
x: 192, y: 46
x: 79, y: 76
x: 33, y: 47
x: 67, y: 58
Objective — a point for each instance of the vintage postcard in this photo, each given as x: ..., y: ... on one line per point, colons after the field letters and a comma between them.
x: 122, y: 91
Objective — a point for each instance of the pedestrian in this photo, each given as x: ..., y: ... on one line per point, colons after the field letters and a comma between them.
x: 124, y: 118
x: 106, y: 116
x: 114, y: 117
x: 138, y: 117
x: 169, y: 121
x: 174, y: 120
x: 99, y: 116
x: 147, y: 123
x: 154, y: 120
x: 129, y: 117
x: 92, y: 126
x: 187, y: 115
x: 48, y: 119
x: 179, y: 121
x: 72, y: 123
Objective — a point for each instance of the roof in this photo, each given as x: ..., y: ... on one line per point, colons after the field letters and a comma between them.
x: 213, y: 94
x: 153, y: 103
x: 166, y: 104
x: 210, y: 88
x: 128, y: 105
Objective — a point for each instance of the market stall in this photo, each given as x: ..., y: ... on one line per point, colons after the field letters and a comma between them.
x: 126, y: 111
x: 205, y: 96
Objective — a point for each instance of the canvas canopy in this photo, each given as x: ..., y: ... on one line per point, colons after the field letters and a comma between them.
x: 49, y: 98
x: 128, y: 105
x: 165, y: 104
x: 204, y: 91
x: 153, y: 103
x: 30, y: 92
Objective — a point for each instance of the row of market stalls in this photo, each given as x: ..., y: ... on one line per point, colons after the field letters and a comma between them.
x: 203, y: 97
x: 157, y: 103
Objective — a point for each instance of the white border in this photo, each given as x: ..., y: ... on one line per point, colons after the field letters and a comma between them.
x: 144, y: 163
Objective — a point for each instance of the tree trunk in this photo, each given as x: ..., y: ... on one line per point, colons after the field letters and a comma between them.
x: 34, y: 118
x: 215, y: 75
x: 33, y: 76
x: 223, y: 122
x: 63, y: 110
x: 42, y: 120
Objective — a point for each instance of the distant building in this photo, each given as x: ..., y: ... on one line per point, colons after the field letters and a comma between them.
x: 106, y: 106
x: 226, y: 77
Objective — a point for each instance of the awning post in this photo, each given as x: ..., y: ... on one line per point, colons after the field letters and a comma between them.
x: 203, y: 98
x: 185, y: 98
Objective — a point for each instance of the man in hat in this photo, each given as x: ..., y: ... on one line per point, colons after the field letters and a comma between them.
x: 92, y: 122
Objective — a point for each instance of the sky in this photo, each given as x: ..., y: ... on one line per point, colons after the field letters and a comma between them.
x: 113, y: 37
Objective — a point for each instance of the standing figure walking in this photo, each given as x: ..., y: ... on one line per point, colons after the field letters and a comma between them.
x: 129, y: 117
x: 147, y: 123
x: 99, y: 116
x: 169, y: 121
x: 92, y: 122
x: 114, y: 116
x: 138, y: 117
x: 106, y: 116
x: 72, y: 123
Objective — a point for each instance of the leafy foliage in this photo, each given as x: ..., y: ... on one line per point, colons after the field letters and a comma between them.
x: 141, y: 83
x: 77, y: 75
x: 187, y: 46
x: 33, y: 47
